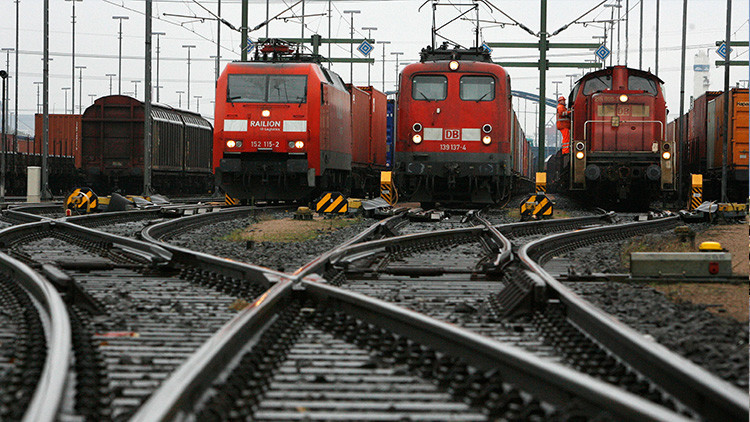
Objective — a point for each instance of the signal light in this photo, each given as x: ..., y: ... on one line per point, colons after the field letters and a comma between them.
x: 579, y: 155
x: 417, y: 139
x: 453, y: 65
x: 231, y: 144
x: 486, y: 140
x: 623, y: 98
x: 265, y: 113
x: 666, y: 155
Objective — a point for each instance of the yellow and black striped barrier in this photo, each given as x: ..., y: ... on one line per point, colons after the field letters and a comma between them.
x: 229, y: 201
x: 536, y: 206
x: 541, y: 183
x: 696, y: 191
x: 332, y: 203
x: 82, y: 200
x: 387, y: 188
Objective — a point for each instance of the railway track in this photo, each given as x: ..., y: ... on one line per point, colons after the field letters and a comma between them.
x: 461, y: 276
x: 137, y: 312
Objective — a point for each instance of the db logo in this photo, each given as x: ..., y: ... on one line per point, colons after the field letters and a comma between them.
x: 452, y: 134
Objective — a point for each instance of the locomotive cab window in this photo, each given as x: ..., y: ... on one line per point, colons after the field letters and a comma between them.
x: 597, y: 84
x: 477, y: 88
x: 267, y: 89
x: 429, y: 88
x: 639, y: 83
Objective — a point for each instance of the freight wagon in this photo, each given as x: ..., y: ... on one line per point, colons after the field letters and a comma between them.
x: 112, y: 147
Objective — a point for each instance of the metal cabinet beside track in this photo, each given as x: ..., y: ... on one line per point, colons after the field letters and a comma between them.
x: 112, y: 147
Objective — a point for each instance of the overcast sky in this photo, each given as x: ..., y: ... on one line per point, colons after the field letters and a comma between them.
x: 399, y: 22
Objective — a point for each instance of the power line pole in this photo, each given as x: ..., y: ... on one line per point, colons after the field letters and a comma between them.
x: 725, y: 129
x: 111, y: 75
x: 243, y: 32
x: 158, y: 50
x: 383, y: 43
x: 351, y: 44
x: 73, y: 61
x: 147, y: 122
x: 80, y: 88
x: 119, y: 55
x: 680, y: 125
x: 640, y: 38
x: 627, y: 29
x: 15, y: 99
x: 396, y: 53
x: 557, y: 95
x: 656, y: 50
x: 45, y: 194
x: 369, y: 30
x: 189, y: 47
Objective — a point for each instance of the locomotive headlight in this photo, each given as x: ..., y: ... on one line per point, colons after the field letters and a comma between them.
x: 666, y: 155
x: 579, y: 155
x: 623, y: 98
x: 265, y: 113
x: 231, y: 144
x: 417, y: 127
x: 487, y: 128
x: 299, y: 144
x: 417, y: 139
x: 453, y: 65
x: 486, y: 139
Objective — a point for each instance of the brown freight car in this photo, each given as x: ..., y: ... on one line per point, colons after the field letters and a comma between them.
x: 64, y: 136
x: 112, y: 147
x: 737, y: 156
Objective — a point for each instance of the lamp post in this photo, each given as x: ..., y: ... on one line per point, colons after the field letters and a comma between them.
x: 197, y: 103
x: 38, y: 102
x: 119, y: 55
x: 73, y: 61
x: 571, y: 77
x: 397, y: 53
x: 3, y: 78
x: 111, y: 75
x: 92, y: 96
x: 80, y: 88
x: 66, y: 89
x: 189, y: 47
x: 351, y: 43
x: 179, y: 100
x: 135, y: 88
x: 557, y: 95
x: 158, y: 50
x: 384, y: 43
x: 369, y: 30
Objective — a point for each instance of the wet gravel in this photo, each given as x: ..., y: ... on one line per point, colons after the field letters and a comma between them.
x: 717, y: 343
x: 286, y: 256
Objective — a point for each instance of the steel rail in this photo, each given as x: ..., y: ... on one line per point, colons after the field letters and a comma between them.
x: 177, y: 396
x: 318, y: 264
x: 542, y: 226
x: 180, y: 395
x: 49, y: 392
x: 711, y: 397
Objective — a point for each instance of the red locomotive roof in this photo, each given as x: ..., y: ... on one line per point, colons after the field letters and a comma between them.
x: 612, y: 69
x: 463, y: 67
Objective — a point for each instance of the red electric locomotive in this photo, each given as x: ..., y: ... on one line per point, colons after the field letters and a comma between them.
x: 619, y: 152
x: 457, y: 135
x: 283, y: 129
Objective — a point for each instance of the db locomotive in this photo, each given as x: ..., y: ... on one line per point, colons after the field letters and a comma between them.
x: 458, y: 138
x: 287, y: 127
x: 619, y: 151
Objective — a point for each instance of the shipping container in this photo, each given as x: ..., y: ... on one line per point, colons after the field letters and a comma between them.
x: 378, y: 126
x: 360, y: 126
x: 64, y: 136
x: 695, y: 151
x: 737, y: 156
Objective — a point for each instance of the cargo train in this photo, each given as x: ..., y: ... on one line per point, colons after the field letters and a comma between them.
x: 703, y: 143
x: 458, y: 139
x: 288, y: 127
x: 619, y: 152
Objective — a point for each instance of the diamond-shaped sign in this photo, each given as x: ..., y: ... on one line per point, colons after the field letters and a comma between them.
x: 602, y: 52
x: 250, y: 45
x: 486, y: 48
x: 365, y: 48
x: 722, y: 50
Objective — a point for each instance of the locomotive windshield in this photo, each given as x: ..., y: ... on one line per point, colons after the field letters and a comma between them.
x: 599, y: 83
x: 477, y: 88
x: 639, y: 83
x: 429, y: 88
x: 267, y: 88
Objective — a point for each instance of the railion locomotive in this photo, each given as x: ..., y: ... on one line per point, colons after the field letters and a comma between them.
x: 619, y: 152
x: 284, y: 129
x: 458, y: 138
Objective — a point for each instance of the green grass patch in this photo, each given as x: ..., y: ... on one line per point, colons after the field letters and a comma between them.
x: 288, y: 230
